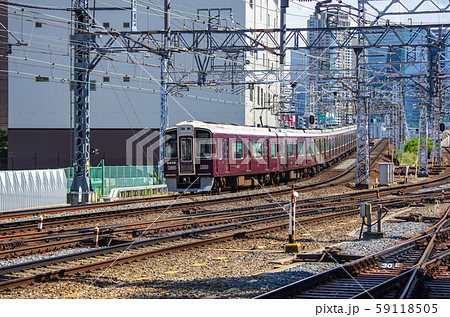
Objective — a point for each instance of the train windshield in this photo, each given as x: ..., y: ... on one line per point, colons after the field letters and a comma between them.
x: 203, y: 143
x: 171, y: 145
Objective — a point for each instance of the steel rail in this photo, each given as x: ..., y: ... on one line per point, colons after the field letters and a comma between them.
x: 14, y: 282
x: 367, y: 263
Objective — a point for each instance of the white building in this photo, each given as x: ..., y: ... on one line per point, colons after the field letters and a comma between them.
x: 125, y: 94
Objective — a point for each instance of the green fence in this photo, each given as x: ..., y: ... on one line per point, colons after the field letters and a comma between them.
x: 105, y: 178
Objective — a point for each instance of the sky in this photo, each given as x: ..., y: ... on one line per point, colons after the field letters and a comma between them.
x: 299, y: 11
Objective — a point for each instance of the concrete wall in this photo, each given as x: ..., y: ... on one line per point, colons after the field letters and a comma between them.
x: 52, y: 148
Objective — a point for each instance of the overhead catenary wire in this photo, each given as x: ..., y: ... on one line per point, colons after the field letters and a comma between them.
x: 197, y: 53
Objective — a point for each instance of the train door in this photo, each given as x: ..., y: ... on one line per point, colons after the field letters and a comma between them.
x: 266, y: 154
x: 218, y: 151
x: 273, y: 164
x: 249, y: 155
x: 226, y: 154
x: 286, y: 154
x: 186, y: 155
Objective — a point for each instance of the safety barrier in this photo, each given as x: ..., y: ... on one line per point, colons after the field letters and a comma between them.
x: 34, y: 188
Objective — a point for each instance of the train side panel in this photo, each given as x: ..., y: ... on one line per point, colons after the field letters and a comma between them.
x: 203, y: 157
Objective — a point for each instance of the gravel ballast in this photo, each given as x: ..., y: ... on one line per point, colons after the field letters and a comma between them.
x: 242, y: 268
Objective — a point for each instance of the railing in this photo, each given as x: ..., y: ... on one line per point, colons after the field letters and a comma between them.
x: 106, y: 178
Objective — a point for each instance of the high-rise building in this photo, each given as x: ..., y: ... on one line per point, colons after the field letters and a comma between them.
x: 328, y: 100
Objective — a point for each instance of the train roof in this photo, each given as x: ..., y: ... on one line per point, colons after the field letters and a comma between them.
x: 215, y: 127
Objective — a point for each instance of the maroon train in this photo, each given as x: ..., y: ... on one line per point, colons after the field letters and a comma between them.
x: 200, y: 156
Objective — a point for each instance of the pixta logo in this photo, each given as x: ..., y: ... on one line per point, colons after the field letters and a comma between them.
x: 143, y: 148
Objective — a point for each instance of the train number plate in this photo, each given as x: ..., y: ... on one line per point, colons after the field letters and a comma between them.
x: 204, y: 167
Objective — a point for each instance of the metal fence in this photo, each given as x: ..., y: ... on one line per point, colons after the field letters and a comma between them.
x: 35, y: 188
x: 105, y: 178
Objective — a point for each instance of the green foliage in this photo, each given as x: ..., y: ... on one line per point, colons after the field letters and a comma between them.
x: 3, y: 139
x: 412, y: 146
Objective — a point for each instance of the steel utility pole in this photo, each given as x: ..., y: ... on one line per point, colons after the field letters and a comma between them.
x: 362, y: 130
x: 165, y: 55
x: 422, y: 147
x: 362, y: 127
x: 435, y: 93
x: 81, y: 48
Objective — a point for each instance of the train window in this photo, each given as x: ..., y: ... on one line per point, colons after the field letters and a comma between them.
x: 290, y: 149
x: 226, y: 149
x: 203, y: 143
x: 300, y: 148
x: 281, y: 150
x: 266, y: 149
x: 257, y: 149
x: 186, y: 149
x: 170, y: 144
x: 273, y: 150
x: 310, y: 147
x: 237, y: 148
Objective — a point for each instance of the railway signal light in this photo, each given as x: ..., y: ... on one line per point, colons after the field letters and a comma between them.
x: 311, y: 119
x: 292, y: 247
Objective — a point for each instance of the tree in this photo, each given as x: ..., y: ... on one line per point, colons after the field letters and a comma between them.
x: 412, y: 146
x: 3, y: 139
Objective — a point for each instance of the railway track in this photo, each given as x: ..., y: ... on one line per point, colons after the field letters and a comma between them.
x: 328, y: 204
x: 45, y: 270
x: 23, y: 244
x: 94, y: 217
x: 417, y: 268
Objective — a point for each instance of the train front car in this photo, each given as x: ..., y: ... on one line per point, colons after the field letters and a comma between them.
x: 188, y: 159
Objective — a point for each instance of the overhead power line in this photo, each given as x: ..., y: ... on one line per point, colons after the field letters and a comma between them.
x: 34, y: 6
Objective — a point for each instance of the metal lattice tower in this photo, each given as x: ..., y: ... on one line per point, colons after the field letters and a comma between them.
x: 435, y: 93
x: 133, y: 10
x: 362, y: 119
x: 423, y: 144
x: 164, y: 86
x: 80, y: 82
x: 437, y: 137
x: 362, y: 130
